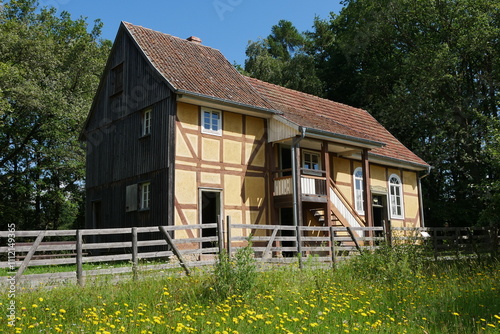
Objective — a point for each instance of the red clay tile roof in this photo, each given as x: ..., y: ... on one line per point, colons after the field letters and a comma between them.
x: 313, y: 112
x: 192, y: 67
x: 201, y: 70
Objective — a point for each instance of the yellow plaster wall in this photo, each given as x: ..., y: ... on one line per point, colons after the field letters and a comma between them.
x: 210, y: 178
x: 232, y: 189
x: 410, y: 188
x: 410, y: 182
x: 185, y: 187
x: 232, y: 123
x: 411, y: 206
x: 343, y: 176
x: 220, y: 162
x: 342, y: 170
x: 254, y: 191
x: 210, y: 149
x: 254, y: 187
x: 188, y: 115
x: 191, y: 217
x: 377, y: 174
x: 182, y: 148
x: 232, y: 151
x: 259, y: 159
x: 255, y: 127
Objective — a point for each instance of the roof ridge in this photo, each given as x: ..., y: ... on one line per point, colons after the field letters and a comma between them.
x: 128, y: 24
x: 241, y: 91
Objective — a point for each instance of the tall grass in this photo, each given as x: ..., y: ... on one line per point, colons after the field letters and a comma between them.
x: 394, y: 291
x: 232, y: 275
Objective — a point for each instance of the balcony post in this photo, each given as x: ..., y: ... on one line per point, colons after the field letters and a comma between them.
x: 367, y: 190
x: 297, y: 192
x: 326, y: 164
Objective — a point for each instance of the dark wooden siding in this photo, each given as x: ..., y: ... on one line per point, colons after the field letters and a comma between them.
x: 117, y: 153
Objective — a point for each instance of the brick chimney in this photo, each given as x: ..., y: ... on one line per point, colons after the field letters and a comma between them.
x: 194, y: 39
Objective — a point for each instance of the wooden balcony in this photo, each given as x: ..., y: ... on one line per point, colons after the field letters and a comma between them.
x: 313, y: 186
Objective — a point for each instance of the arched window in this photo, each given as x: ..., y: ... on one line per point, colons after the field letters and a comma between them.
x: 396, y: 197
x: 358, y: 190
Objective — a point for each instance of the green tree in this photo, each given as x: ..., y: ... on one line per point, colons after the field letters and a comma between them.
x: 282, y: 59
x: 428, y: 70
x: 50, y: 66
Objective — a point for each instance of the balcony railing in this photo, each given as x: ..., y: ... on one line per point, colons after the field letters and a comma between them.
x: 312, y: 182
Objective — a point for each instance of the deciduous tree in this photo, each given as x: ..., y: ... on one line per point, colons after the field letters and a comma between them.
x: 49, y: 69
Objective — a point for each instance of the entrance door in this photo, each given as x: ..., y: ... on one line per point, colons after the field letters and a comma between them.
x: 379, y: 205
x: 210, y: 201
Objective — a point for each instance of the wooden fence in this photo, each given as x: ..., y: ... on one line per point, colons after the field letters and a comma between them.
x: 271, y: 244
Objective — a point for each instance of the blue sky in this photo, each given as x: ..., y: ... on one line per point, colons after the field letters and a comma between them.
x: 227, y: 25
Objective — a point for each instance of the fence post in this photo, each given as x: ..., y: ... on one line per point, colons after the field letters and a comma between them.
x: 494, y: 240
x: 228, y: 235
x: 388, y: 232
x: 220, y: 234
x: 135, y: 251
x: 79, y: 259
x: 435, y: 243
x: 456, y: 242
x: 299, y: 246
x: 332, y: 241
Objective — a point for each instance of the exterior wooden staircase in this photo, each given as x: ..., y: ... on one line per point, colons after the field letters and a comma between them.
x: 342, y: 214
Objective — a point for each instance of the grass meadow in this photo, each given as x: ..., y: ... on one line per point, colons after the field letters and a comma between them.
x: 393, y: 291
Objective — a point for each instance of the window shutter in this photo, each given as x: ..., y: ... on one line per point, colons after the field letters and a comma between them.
x: 131, y: 198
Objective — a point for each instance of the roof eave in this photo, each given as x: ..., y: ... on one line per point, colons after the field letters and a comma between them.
x: 377, y: 158
x: 344, y: 139
x: 230, y: 105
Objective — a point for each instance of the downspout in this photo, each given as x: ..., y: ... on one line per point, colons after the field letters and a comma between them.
x: 295, y: 144
x: 420, y: 199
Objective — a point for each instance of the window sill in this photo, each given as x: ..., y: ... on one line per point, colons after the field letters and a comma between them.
x: 144, y: 210
x: 145, y: 136
x: 218, y: 134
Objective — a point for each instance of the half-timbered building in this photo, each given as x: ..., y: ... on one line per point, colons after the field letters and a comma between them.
x: 176, y: 135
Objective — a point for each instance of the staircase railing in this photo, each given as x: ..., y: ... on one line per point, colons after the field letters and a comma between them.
x: 344, y: 208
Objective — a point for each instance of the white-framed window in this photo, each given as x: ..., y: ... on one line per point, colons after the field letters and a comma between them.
x: 146, y: 122
x: 358, y: 191
x: 145, y: 196
x: 211, y: 121
x: 396, y: 197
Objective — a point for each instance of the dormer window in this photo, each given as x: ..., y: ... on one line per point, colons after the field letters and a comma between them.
x: 211, y: 122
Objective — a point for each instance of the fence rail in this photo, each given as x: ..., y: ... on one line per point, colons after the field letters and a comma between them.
x: 187, y: 246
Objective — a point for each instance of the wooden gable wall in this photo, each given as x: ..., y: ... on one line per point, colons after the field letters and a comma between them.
x: 117, y: 153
